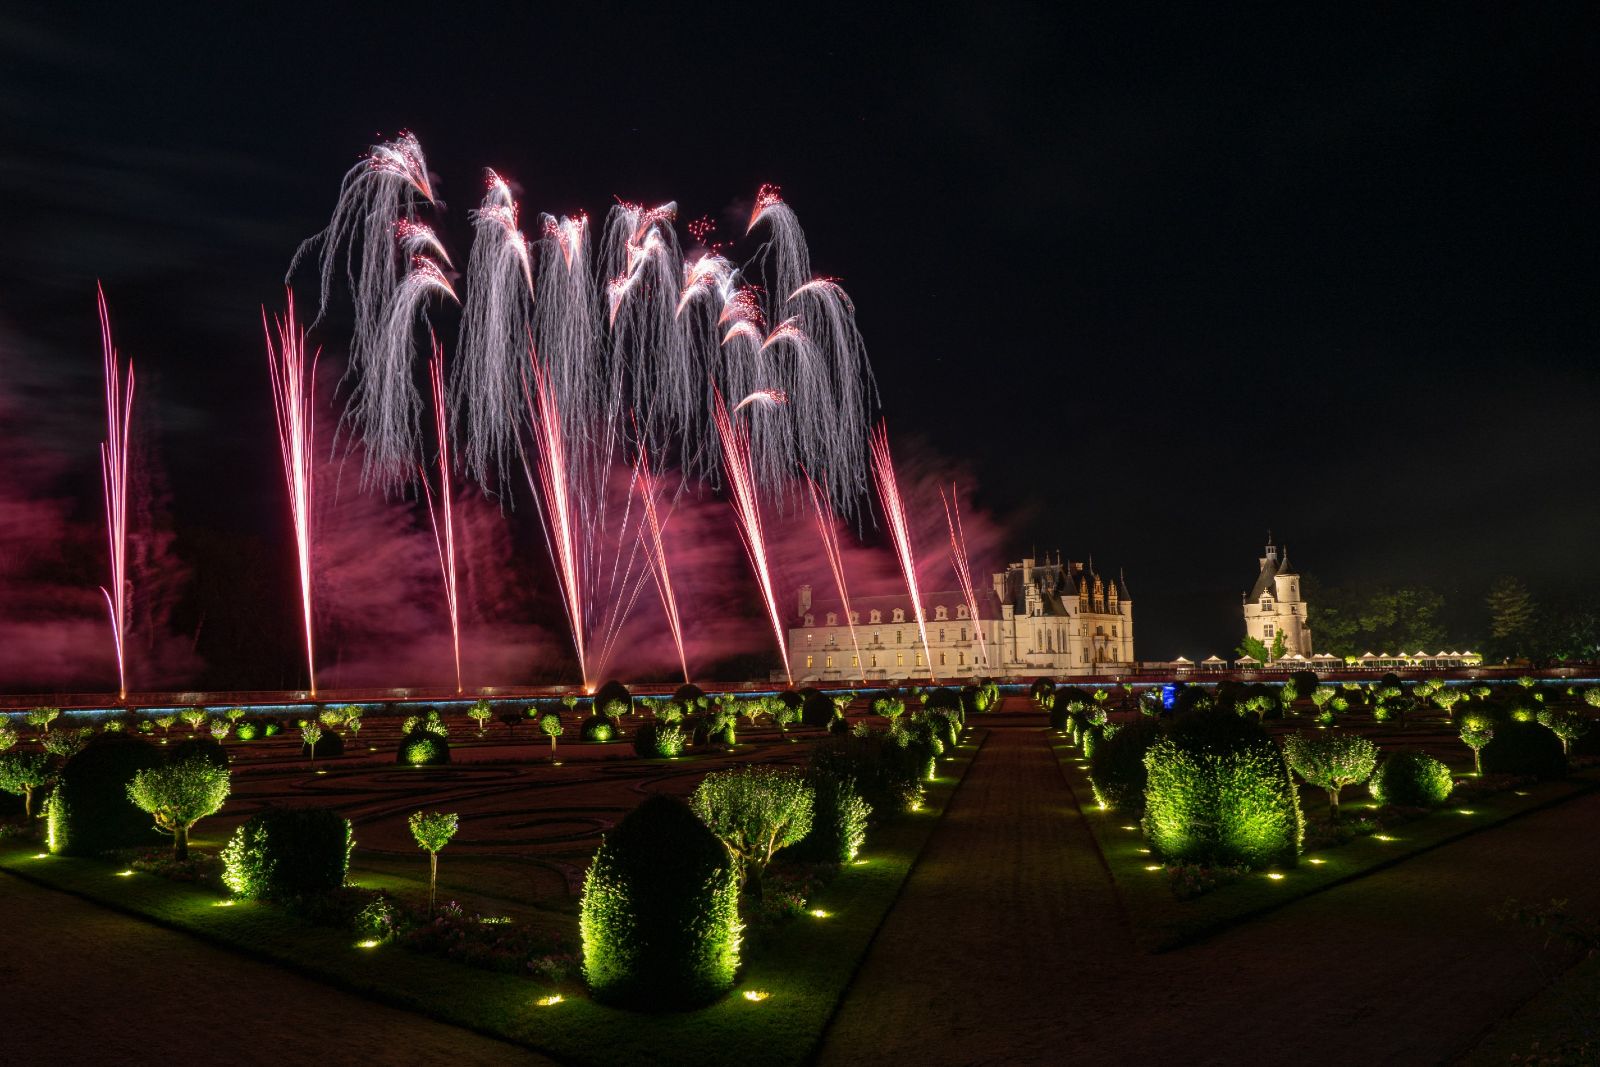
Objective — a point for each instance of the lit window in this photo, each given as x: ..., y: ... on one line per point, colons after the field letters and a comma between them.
x: 855, y: 661
x: 828, y: 662
x: 808, y: 639
x: 899, y: 659
x: 809, y: 661
x: 873, y: 661
x: 919, y: 659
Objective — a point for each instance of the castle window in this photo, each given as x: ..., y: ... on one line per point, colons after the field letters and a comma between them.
x: 941, y: 659
x: 873, y: 660
x: 941, y: 633
x: 809, y: 660
x: 855, y: 618
x: 833, y: 618
x: 899, y: 637
x: 940, y: 614
x: 808, y: 639
x: 811, y: 620
x: 961, y: 659
x: 919, y: 659
x: 963, y: 633
x: 899, y: 659
x: 961, y: 611
x: 1269, y: 631
x: 899, y: 615
x: 828, y: 662
x: 1099, y: 631
x: 855, y: 661
x: 876, y: 616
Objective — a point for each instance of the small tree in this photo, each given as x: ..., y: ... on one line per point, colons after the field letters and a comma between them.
x: 481, y: 713
x: 43, y: 717
x: 220, y: 728
x: 1476, y: 733
x: 331, y: 719
x: 1567, y: 725
x: 753, y: 710
x: 783, y: 715
x: 23, y: 772
x: 1254, y: 648
x: 570, y: 703
x: 166, y: 722
x: 1591, y: 696
x: 550, y: 726
x: 8, y: 736
x: 1448, y: 697
x: 310, y: 733
x: 235, y: 714
x: 194, y: 717
x: 1331, y: 761
x: 755, y: 811
x: 433, y: 830
x: 890, y: 708
x: 180, y: 794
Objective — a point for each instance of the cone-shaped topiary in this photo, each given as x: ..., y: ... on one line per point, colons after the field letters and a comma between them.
x: 1218, y: 791
x: 1116, y: 768
x: 660, y: 911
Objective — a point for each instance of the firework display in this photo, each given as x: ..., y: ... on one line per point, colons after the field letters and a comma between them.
x: 293, y: 380
x: 114, y: 480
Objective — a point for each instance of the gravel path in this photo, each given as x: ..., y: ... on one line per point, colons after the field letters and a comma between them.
x: 1008, y: 946
x: 86, y: 985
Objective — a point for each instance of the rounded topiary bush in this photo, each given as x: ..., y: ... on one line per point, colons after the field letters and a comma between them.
x: 1089, y: 737
x: 247, y: 730
x: 817, y: 709
x: 839, y: 817
x: 688, y: 694
x: 660, y: 911
x: 1116, y: 768
x: 422, y: 749
x: 329, y: 745
x: 284, y: 852
x: 1525, y: 749
x: 88, y: 811
x: 1217, y: 790
x: 943, y: 699
x: 1411, y: 780
x: 597, y: 728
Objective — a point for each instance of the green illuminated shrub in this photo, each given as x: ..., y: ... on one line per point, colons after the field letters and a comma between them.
x: 1569, y: 726
x: 816, y: 709
x: 1301, y: 685
x: 247, y: 730
x: 1477, y: 730
x: 879, y: 768
x: 481, y: 713
x: 1042, y: 692
x: 166, y: 722
x: 717, y: 726
x: 1525, y: 749
x: 1116, y: 770
x: 422, y: 749
x: 889, y: 708
x: 597, y: 728
x: 178, y: 794
x: 271, y: 727
x: 22, y: 773
x: 944, y: 727
x: 287, y: 852
x: 688, y: 694
x: 233, y: 715
x: 614, y: 700
x: 783, y: 715
x: 660, y: 912
x: 1330, y: 761
x: 66, y: 743
x: 88, y: 811
x: 550, y: 726
x: 8, y: 736
x: 658, y: 740
x: 194, y: 717
x: 839, y: 818
x: 43, y: 717
x: 1218, y: 791
x: 755, y: 811
x: 1089, y: 737
x: 430, y: 723
x: 1412, y: 780
x: 1058, y: 715
x: 326, y: 744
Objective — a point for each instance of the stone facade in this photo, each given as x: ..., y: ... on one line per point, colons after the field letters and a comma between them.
x: 1273, y: 606
x: 1037, y: 618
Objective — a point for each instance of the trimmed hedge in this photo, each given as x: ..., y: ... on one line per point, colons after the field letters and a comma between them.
x: 598, y: 728
x: 655, y: 740
x: 1116, y: 769
x: 839, y: 817
x: 1411, y: 780
x: 610, y: 693
x: 1525, y: 749
x: 816, y: 709
x: 1218, y: 791
x: 660, y: 911
x: 88, y: 811
x: 286, y: 852
x: 884, y: 773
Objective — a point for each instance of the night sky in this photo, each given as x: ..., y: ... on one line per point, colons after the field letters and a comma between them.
x: 1159, y: 282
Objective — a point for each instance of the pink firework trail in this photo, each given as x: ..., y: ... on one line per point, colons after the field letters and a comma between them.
x: 444, y: 534
x: 828, y: 527
x: 958, y: 559
x: 549, y: 481
x: 293, y: 388
x: 747, y: 510
x: 894, y: 512
x: 657, y: 555
x: 114, y: 476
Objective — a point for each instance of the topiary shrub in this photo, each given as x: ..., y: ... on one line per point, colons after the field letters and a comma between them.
x: 880, y: 769
x: 660, y: 911
x: 610, y: 695
x: 1218, y: 791
x: 658, y: 740
x: 1302, y: 684
x: 422, y: 749
x: 207, y: 748
x: 838, y: 821
x: 430, y: 723
x: 1330, y: 761
x: 816, y: 709
x: 247, y: 730
x: 328, y: 745
x: 286, y: 852
x: 1525, y: 749
x: 1116, y: 769
x: 688, y: 694
x: 1411, y: 780
x: 89, y: 811
x: 599, y: 728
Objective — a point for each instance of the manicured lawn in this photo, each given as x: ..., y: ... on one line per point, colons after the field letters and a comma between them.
x: 1161, y: 921
x: 804, y: 970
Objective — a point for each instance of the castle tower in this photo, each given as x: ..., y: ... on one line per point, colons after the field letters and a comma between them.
x: 1274, y: 607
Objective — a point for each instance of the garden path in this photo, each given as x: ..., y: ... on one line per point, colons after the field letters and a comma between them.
x: 1008, y: 946
x: 66, y: 964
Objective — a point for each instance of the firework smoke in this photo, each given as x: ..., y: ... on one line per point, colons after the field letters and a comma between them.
x: 114, y: 476
x: 894, y: 513
x: 293, y: 390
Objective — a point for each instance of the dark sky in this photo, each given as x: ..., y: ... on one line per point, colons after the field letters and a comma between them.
x: 1162, y: 281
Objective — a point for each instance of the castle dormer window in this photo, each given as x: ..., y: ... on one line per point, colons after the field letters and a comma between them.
x: 876, y: 616
x: 855, y: 618
x: 833, y: 618
x: 899, y: 615
x: 940, y: 614
x: 961, y: 611
x: 811, y: 620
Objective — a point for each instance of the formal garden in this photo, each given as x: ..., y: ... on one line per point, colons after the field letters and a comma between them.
x: 681, y: 876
